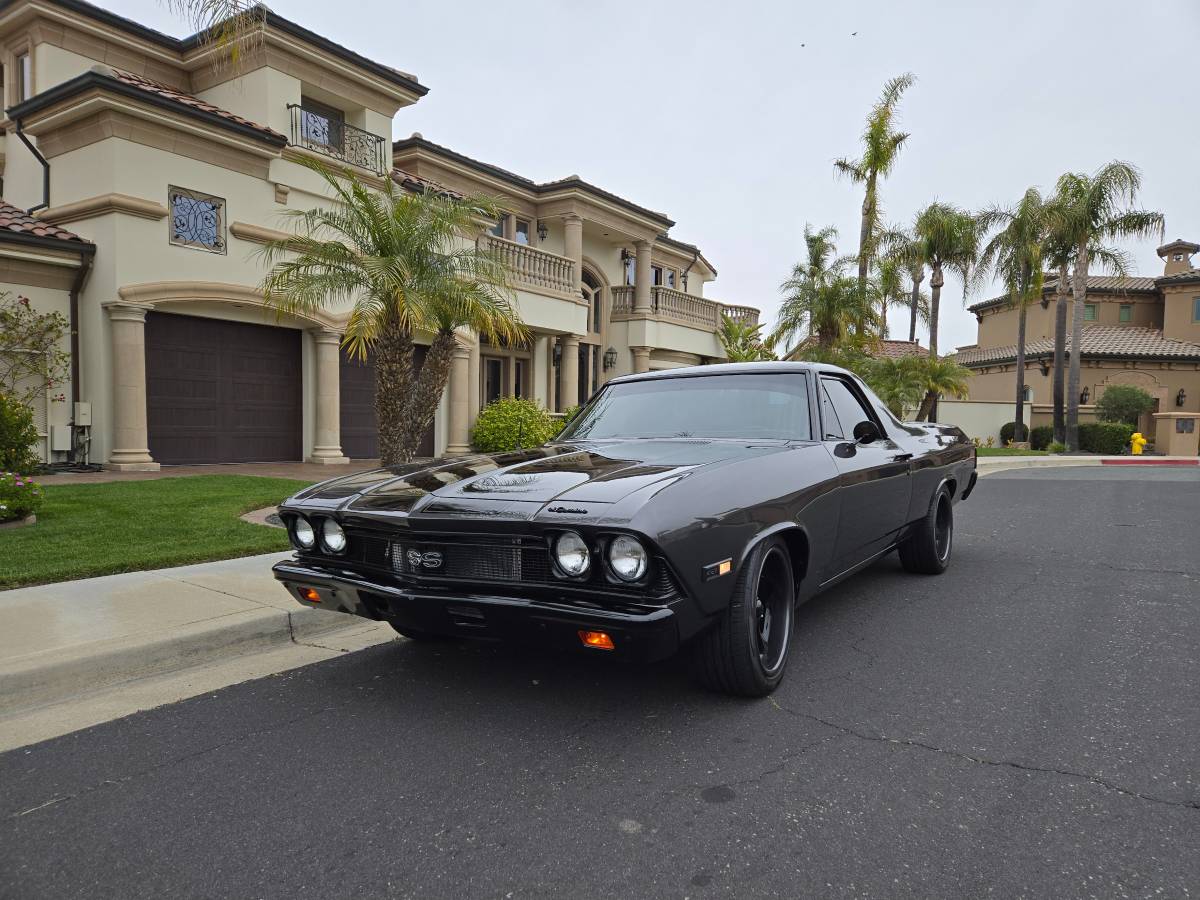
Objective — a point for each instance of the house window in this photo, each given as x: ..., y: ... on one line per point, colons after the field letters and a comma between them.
x: 197, y: 220
x: 656, y: 275
x: 24, y: 76
x: 493, y: 380
x: 1089, y: 312
x: 519, y: 380
x: 521, y: 235
x: 1126, y: 312
x: 670, y: 276
x: 1027, y: 394
x: 322, y: 124
x: 498, y: 228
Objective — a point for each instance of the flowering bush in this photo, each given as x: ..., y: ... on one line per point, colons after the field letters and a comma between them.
x: 19, y: 496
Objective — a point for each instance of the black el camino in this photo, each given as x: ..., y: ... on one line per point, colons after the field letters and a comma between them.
x: 693, y: 507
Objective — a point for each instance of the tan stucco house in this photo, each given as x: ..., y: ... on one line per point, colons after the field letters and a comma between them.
x: 1143, y: 331
x: 140, y: 179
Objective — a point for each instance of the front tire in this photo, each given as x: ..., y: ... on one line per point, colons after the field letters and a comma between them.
x: 747, y: 652
x: 927, y: 550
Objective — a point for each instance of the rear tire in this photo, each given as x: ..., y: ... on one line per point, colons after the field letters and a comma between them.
x: 927, y: 550
x: 746, y: 653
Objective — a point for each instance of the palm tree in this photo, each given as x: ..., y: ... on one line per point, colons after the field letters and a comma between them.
x: 1014, y: 255
x: 898, y: 382
x: 887, y: 286
x: 904, y: 246
x: 949, y: 240
x: 1089, y: 212
x: 820, y: 301
x: 940, y: 375
x: 743, y: 342
x: 233, y: 27
x: 1058, y: 257
x: 881, y: 145
x: 406, y: 262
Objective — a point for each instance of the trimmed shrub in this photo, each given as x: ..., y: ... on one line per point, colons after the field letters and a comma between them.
x: 505, y: 423
x: 1057, y: 447
x: 1109, y: 438
x: 1006, y: 433
x: 18, y: 496
x: 1040, y: 437
x: 17, y: 436
x: 1123, y: 403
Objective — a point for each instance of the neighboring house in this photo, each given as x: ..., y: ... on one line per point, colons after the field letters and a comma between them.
x: 1137, y: 330
x: 165, y: 173
x: 885, y: 349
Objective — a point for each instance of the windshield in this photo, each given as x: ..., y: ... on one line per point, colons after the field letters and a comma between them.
x: 770, y: 407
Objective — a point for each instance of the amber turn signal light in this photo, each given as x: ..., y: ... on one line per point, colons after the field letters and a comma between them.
x: 597, y: 639
x: 310, y: 594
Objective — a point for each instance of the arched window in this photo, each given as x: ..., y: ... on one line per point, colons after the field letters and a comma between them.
x: 592, y: 294
x: 1028, y: 395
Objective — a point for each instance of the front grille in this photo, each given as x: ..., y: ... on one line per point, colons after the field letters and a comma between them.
x: 470, y: 561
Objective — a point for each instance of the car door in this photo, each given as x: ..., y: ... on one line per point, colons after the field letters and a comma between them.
x: 873, y: 478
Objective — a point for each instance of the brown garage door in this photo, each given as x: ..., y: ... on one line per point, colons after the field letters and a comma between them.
x: 360, y: 431
x: 222, y: 392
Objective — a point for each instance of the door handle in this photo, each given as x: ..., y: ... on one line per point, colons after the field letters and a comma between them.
x: 901, y: 457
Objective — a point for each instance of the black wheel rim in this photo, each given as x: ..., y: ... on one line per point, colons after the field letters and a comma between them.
x: 773, y: 606
x: 943, y: 530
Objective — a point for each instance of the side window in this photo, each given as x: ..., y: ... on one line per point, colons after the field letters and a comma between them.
x: 850, y: 410
x: 829, y: 419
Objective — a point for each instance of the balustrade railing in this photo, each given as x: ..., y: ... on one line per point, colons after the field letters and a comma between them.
x: 684, y: 309
x: 321, y: 132
x: 536, y: 268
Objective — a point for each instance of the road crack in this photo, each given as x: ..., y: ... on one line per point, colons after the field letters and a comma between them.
x: 986, y: 761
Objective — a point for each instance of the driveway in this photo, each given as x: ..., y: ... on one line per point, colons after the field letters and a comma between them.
x: 1025, y: 725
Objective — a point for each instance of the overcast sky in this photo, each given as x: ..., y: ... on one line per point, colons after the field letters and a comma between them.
x: 727, y: 116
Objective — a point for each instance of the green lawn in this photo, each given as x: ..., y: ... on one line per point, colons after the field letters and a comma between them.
x: 1010, y: 451
x: 123, y: 526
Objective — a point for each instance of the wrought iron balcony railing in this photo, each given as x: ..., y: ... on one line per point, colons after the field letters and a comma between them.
x: 315, y: 130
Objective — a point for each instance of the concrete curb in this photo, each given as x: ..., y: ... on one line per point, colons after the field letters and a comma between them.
x: 65, y: 673
x: 990, y: 464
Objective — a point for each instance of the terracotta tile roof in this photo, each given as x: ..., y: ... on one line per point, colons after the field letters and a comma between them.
x: 169, y: 93
x: 14, y: 220
x: 1109, y: 284
x: 417, y: 184
x: 900, y: 349
x: 1119, y: 341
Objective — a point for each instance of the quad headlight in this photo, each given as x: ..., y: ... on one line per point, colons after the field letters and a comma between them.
x: 332, y: 536
x: 571, y: 553
x: 627, y: 558
x: 302, y: 532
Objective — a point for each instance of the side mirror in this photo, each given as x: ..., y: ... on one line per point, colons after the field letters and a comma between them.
x: 866, y: 431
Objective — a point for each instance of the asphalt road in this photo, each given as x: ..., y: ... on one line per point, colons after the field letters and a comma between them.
x: 1027, y: 724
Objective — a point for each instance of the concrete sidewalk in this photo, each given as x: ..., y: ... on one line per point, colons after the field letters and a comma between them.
x: 988, y: 464
x: 60, y: 641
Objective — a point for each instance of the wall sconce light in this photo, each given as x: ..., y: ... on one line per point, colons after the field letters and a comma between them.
x: 1045, y: 368
x: 610, y: 360
x: 557, y: 353
x: 626, y: 255
x: 1181, y: 397
x: 1085, y: 396
x: 542, y: 230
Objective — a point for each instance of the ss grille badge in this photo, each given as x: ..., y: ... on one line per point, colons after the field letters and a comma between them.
x: 430, y: 559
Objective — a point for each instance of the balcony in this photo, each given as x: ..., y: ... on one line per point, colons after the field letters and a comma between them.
x: 321, y: 132
x: 683, y: 309
x: 538, y: 270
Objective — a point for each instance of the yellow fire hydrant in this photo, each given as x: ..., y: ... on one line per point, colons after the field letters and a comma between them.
x: 1136, y: 443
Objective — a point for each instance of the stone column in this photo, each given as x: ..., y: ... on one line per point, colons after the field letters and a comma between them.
x: 327, y: 430
x: 458, y: 438
x: 641, y: 278
x: 130, y: 436
x: 568, y: 372
x: 542, y: 369
x: 641, y: 359
x: 573, y: 243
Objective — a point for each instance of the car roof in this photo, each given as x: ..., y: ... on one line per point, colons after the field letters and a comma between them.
x: 740, y: 368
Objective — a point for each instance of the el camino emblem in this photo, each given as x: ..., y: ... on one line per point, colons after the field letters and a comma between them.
x: 430, y: 559
x: 571, y: 510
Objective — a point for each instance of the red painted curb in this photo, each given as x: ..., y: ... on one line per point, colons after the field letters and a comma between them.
x: 1150, y: 462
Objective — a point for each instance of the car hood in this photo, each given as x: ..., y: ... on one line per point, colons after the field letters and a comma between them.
x: 562, y: 478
